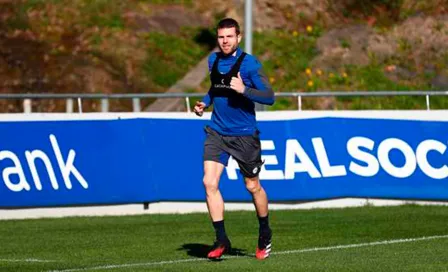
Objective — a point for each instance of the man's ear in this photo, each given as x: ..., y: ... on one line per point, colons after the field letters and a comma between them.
x: 239, y: 37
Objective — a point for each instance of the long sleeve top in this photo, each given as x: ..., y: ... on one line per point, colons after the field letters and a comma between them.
x: 238, y: 119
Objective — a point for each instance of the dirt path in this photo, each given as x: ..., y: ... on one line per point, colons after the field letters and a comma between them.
x: 191, y: 80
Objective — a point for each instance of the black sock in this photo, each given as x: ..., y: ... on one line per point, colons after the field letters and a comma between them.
x: 264, y: 224
x: 220, y: 230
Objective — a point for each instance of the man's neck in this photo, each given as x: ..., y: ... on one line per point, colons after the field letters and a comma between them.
x: 234, y: 53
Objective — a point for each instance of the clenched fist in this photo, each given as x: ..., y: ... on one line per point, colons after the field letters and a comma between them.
x: 199, y: 108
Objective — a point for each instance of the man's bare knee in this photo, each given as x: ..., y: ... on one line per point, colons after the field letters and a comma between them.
x: 253, y: 185
x: 211, y: 184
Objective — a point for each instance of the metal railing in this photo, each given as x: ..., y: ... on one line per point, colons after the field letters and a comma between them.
x: 136, y: 97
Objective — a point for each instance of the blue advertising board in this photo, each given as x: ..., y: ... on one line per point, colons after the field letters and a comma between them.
x: 149, y: 159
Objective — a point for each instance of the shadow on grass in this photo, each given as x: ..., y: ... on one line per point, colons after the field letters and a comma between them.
x: 201, y: 251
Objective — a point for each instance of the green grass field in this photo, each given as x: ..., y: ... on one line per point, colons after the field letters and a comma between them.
x: 403, y: 238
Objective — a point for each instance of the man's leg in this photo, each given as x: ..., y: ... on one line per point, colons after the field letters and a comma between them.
x: 259, y: 196
x: 215, y: 205
x: 260, y: 200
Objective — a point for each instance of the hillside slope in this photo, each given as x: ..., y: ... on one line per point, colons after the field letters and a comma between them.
x: 111, y: 46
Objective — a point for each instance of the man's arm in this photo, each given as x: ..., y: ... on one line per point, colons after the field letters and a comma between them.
x: 200, y: 106
x: 262, y: 92
x: 207, y: 99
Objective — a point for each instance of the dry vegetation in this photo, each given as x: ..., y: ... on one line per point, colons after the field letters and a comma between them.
x: 111, y: 46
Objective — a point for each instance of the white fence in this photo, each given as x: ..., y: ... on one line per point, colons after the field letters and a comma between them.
x: 136, y: 105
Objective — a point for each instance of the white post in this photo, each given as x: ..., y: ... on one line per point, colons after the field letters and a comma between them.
x: 104, y: 105
x: 187, y: 102
x: 27, y: 105
x: 79, y: 105
x: 69, y: 105
x: 299, y: 102
x: 248, y: 34
x: 136, y: 104
x: 248, y: 26
x: 427, y: 102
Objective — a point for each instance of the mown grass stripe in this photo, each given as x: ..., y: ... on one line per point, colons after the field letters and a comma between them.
x: 30, y: 260
x: 386, y: 242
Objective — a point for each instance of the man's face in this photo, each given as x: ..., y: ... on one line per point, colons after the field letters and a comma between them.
x: 228, y: 40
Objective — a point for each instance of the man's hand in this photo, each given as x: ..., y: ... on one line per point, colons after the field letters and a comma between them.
x: 237, y: 84
x: 199, y: 108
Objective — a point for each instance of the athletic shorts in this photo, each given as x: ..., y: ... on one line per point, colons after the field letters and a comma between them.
x: 246, y: 150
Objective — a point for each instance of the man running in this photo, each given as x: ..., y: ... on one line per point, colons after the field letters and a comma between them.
x: 237, y: 81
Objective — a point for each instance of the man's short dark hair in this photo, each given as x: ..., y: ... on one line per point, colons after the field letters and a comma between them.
x: 229, y: 23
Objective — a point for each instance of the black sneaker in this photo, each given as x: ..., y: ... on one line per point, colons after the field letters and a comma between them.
x: 264, y: 245
x: 219, y: 248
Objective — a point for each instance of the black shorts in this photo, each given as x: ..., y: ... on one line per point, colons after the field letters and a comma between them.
x: 246, y: 150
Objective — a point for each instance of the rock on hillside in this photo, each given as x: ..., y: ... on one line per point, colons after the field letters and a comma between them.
x: 418, y: 42
x: 296, y: 14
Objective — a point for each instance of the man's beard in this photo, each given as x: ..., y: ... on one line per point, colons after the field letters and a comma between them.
x: 234, y: 48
